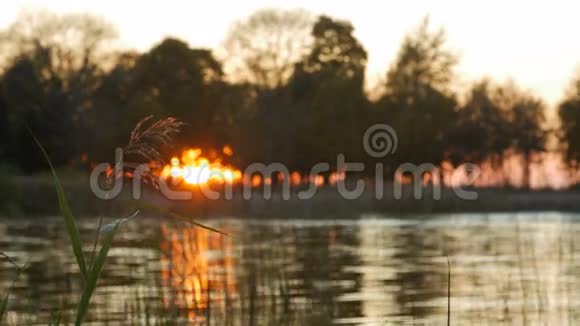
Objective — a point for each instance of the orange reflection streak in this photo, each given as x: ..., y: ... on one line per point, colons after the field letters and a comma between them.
x: 196, y: 261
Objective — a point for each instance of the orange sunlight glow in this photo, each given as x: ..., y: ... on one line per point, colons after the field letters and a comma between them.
x: 195, y: 169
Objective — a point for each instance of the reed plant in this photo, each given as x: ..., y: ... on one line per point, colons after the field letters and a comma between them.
x: 142, y: 142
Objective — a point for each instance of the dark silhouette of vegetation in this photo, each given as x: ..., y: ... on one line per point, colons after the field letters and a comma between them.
x: 497, y: 120
x: 418, y: 101
x: 291, y: 89
x: 569, y: 112
x: 263, y: 49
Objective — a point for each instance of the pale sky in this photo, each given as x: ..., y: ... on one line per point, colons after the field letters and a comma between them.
x: 536, y: 43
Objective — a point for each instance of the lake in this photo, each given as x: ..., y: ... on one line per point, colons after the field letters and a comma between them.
x: 369, y: 270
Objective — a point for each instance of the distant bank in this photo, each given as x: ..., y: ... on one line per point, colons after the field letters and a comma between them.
x: 33, y: 198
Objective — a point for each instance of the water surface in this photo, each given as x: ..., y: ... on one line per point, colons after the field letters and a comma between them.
x: 373, y: 270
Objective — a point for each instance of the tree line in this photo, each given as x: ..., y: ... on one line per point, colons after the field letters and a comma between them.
x: 287, y: 87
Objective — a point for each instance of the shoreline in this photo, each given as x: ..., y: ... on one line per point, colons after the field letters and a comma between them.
x: 39, y: 198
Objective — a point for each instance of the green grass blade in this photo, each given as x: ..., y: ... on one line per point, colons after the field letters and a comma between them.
x: 116, y: 223
x: 3, y: 305
x: 169, y: 213
x: 94, y: 251
x: 66, y: 212
x: 9, y: 259
x: 55, y: 319
x: 4, y: 302
x: 93, y: 276
x: 448, y: 292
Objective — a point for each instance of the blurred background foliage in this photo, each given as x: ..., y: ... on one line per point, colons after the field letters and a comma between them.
x: 289, y: 88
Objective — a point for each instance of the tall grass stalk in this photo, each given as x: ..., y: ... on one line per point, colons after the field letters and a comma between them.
x: 9, y: 259
x: 169, y: 213
x: 448, y: 292
x: 55, y: 319
x: 66, y: 212
x: 93, y: 275
x: 90, y: 273
x: 4, y: 302
x: 3, y: 305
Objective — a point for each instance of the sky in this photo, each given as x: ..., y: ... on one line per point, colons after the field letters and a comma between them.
x: 535, y: 43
